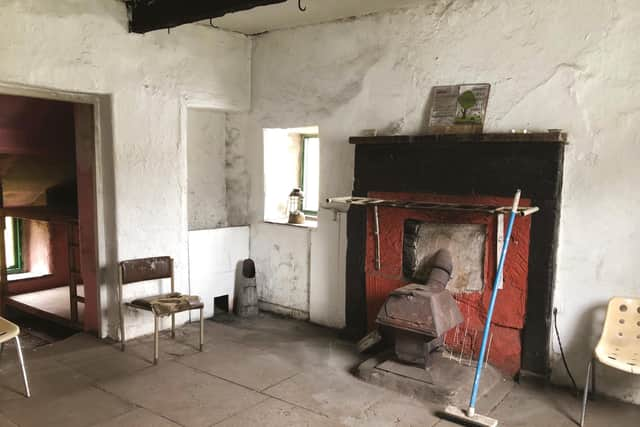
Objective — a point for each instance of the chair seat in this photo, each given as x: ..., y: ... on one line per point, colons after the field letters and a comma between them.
x: 624, y: 359
x: 8, y: 330
x: 145, y: 303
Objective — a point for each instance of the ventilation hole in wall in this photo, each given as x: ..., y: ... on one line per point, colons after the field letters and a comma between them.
x: 632, y: 364
x: 620, y: 334
x: 638, y: 310
x: 621, y: 321
x: 623, y: 308
x: 638, y: 323
x: 612, y: 358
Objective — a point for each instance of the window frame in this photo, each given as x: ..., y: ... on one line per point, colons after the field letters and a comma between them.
x: 16, y: 229
x: 303, y: 147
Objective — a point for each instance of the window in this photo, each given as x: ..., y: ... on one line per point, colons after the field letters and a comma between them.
x: 13, y: 244
x: 291, y: 160
x: 309, y: 182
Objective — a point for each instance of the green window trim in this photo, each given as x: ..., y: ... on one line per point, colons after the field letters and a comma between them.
x: 303, y: 146
x: 17, y: 247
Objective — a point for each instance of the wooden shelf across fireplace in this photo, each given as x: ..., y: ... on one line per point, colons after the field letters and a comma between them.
x: 557, y: 137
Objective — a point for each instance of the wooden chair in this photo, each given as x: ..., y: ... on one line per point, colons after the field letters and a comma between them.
x: 143, y: 269
x: 619, y: 345
x: 9, y: 331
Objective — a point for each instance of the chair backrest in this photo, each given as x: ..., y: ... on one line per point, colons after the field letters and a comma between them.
x: 139, y: 270
x: 623, y: 319
x: 619, y: 345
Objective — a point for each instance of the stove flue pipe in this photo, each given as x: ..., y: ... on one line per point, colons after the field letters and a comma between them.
x: 442, y: 267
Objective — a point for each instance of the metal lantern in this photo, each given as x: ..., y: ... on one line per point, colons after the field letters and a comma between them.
x: 294, y: 207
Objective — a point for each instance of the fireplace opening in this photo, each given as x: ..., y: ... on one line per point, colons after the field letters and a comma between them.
x: 465, y: 242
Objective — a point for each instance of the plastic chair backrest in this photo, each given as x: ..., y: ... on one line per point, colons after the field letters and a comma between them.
x: 619, y: 345
x: 8, y: 330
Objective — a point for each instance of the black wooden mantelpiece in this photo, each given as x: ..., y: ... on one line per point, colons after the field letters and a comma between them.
x: 492, y: 164
x: 538, y: 137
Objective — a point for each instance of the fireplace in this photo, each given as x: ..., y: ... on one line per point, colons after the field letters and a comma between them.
x: 471, y: 238
x: 468, y: 169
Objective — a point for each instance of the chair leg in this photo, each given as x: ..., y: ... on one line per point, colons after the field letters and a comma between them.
x: 22, y: 368
x: 156, y: 333
x: 593, y: 379
x: 122, y: 337
x: 201, y: 329
x: 173, y: 326
x: 586, y: 391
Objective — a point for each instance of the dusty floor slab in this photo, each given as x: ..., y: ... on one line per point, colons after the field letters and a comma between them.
x: 82, y: 407
x: 255, y: 369
x: 184, y: 395
x: 276, y: 413
x: 138, y: 418
x: 266, y: 371
x: 4, y: 422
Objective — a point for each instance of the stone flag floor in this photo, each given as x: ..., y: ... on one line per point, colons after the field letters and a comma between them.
x: 262, y: 372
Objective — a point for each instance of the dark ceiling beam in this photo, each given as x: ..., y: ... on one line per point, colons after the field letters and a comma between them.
x: 149, y: 15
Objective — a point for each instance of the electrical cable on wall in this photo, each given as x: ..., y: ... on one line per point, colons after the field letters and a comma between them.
x: 564, y: 359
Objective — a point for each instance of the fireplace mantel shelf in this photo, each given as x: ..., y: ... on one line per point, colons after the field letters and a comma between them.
x: 334, y: 202
x: 505, y: 137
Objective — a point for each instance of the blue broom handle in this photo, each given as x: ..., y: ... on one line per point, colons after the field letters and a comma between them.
x: 494, y: 294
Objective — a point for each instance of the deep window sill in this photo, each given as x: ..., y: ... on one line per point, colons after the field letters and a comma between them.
x: 26, y: 276
x: 310, y: 223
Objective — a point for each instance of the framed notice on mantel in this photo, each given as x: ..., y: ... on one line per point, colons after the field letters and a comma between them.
x: 458, y: 108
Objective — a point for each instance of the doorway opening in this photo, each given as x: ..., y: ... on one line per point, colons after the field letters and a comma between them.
x: 48, y: 251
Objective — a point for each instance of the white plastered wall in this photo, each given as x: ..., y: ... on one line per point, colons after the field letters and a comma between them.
x: 84, y: 46
x: 571, y: 64
x: 206, y: 183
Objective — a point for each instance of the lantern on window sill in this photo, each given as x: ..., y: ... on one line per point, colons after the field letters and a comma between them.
x: 294, y: 207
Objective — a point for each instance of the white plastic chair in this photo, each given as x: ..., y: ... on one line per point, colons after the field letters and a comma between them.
x: 619, y: 345
x: 9, y: 331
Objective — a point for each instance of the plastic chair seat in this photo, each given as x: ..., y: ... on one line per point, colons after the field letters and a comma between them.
x: 11, y: 331
x: 619, y: 345
x: 8, y: 330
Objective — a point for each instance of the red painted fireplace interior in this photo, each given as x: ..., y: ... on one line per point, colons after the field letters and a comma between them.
x: 509, y: 315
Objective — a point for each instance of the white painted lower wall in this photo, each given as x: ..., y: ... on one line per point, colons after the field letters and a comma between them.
x: 215, y: 259
x: 570, y: 64
x: 281, y: 254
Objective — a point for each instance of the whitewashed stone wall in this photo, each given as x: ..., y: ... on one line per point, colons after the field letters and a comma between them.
x: 569, y: 64
x: 84, y: 46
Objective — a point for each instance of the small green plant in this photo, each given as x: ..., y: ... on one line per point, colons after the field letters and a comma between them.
x: 466, y: 100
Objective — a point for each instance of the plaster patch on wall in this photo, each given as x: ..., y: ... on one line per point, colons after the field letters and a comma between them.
x: 236, y: 174
x: 207, y: 192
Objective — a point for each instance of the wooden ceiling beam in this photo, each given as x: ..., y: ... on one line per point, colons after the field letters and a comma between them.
x: 150, y: 15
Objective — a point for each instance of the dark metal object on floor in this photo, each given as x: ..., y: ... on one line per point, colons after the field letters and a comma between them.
x: 247, y: 300
x: 419, y: 315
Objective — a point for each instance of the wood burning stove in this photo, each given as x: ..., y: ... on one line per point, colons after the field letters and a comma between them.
x: 420, y: 314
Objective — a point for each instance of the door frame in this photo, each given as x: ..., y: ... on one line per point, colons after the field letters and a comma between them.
x: 104, y: 193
